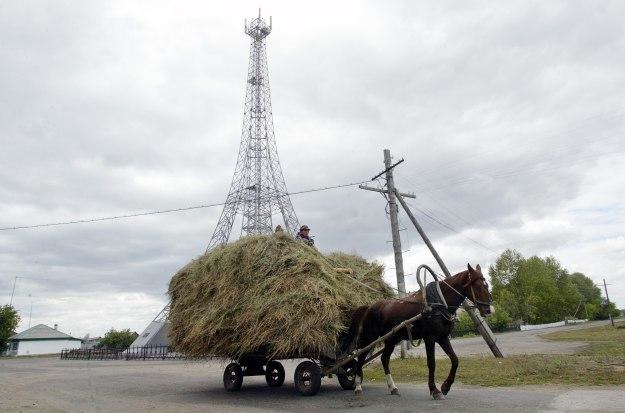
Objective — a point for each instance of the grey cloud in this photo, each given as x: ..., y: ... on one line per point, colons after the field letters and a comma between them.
x: 501, y: 111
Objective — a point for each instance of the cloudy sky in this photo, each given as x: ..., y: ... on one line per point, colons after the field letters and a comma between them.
x: 510, y: 117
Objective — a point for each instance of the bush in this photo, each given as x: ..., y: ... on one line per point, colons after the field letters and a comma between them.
x: 499, y: 320
x: 118, y: 339
x: 9, y: 319
x: 464, y: 326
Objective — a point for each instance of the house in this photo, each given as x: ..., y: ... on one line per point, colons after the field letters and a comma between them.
x: 90, y: 342
x: 41, y: 339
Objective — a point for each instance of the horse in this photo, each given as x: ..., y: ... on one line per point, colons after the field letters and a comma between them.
x: 371, y: 322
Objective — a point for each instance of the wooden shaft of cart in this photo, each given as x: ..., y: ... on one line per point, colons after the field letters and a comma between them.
x: 374, y: 343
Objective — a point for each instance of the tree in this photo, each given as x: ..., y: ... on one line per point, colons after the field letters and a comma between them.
x: 535, y: 290
x: 499, y: 320
x: 605, y: 310
x: 118, y: 339
x: 590, y: 292
x: 505, y: 268
x: 9, y: 319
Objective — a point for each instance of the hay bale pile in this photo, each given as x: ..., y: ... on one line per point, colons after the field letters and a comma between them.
x: 267, y: 294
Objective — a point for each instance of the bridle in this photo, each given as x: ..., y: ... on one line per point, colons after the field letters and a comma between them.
x: 438, y: 279
x: 475, y: 300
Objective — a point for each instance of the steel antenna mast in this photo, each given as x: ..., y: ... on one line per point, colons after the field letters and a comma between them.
x: 258, y: 189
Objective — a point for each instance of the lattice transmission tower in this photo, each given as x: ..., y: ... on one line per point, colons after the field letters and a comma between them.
x: 258, y: 190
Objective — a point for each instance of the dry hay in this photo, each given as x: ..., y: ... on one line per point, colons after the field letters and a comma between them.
x: 268, y: 294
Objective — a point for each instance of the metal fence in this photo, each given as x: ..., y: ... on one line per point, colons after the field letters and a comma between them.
x: 130, y: 353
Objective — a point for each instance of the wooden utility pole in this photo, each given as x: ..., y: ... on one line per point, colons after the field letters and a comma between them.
x: 393, y: 209
x: 393, y: 195
x: 607, y: 297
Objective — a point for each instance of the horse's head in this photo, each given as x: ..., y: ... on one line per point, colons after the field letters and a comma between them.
x: 476, y: 289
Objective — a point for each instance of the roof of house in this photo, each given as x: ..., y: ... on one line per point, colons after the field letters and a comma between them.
x: 42, y: 332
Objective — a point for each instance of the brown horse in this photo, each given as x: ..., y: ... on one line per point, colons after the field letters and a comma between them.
x: 370, y: 322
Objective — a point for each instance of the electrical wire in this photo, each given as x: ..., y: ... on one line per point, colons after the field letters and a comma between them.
x: 164, y: 211
x: 434, y: 219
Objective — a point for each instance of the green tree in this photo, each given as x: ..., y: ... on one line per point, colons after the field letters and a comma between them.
x: 500, y: 319
x: 592, y: 310
x: 505, y: 268
x: 464, y: 326
x: 606, y: 310
x: 118, y: 339
x: 587, y: 288
x: 9, y: 319
x: 535, y: 290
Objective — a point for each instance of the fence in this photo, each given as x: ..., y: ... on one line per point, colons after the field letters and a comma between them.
x: 130, y: 353
x: 460, y: 331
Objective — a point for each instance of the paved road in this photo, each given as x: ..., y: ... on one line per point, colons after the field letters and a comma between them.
x: 517, y: 342
x: 52, y: 385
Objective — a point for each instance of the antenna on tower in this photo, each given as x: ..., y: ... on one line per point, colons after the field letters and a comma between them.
x: 258, y: 191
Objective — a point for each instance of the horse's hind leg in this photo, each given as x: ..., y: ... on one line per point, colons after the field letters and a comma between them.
x: 446, y: 346
x: 386, y: 358
x: 359, y: 363
x: 429, y: 348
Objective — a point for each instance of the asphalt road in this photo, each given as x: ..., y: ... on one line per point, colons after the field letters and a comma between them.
x: 51, y: 385
x: 515, y: 342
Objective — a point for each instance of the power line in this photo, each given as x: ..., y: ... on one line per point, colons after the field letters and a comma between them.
x: 433, y: 218
x: 164, y: 211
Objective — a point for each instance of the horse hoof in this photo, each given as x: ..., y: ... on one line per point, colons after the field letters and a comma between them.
x: 438, y: 396
x: 395, y: 392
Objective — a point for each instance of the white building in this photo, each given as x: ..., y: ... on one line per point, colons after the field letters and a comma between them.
x: 41, y: 339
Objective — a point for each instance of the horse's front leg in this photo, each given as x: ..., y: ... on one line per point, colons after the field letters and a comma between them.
x: 446, y: 346
x: 386, y: 358
x: 429, y: 348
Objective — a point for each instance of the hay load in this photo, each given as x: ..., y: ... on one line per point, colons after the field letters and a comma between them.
x: 267, y: 294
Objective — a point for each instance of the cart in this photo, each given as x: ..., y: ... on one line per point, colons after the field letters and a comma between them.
x: 308, y: 373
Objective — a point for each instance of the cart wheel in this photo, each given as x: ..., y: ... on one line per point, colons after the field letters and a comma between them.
x: 307, y: 378
x: 233, y: 377
x: 347, y: 381
x: 274, y: 374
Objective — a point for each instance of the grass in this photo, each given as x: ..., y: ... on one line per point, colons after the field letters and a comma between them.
x: 602, y: 362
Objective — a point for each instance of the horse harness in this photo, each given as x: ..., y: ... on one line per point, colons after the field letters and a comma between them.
x: 435, y: 304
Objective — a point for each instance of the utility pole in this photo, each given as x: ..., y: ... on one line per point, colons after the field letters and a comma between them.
x: 392, y: 206
x: 607, y: 297
x: 30, y: 315
x: 399, y: 259
x: 393, y: 209
x: 393, y: 195
x: 13, y: 292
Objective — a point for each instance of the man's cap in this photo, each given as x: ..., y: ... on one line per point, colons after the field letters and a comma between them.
x: 304, y: 228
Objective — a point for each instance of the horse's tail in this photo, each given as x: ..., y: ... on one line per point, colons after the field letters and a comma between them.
x: 355, y: 328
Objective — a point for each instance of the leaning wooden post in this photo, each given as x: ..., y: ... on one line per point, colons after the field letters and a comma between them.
x: 482, y: 327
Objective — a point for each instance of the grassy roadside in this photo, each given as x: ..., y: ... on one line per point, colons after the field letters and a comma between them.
x: 602, y: 362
